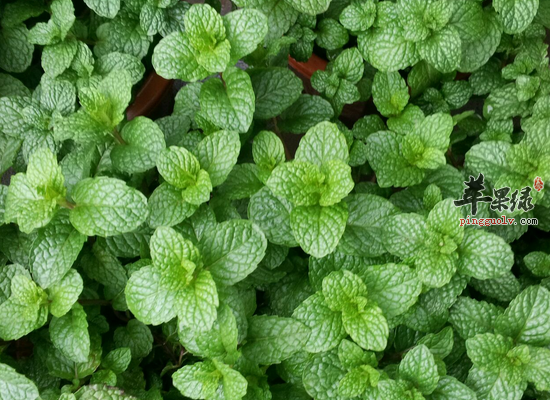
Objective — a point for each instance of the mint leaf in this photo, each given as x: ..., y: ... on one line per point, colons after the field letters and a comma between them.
x: 217, y: 154
x: 143, y: 141
x: 106, y: 207
x: 326, y: 325
x: 54, y: 251
x: 69, y: 334
x: 16, y: 386
x: 525, y: 318
x: 318, y: 229
x: 229, y: 105
x: 516, y: 15
x: 245, y: 29
x: 275, y: 89
x: 418, y: 366
x: 273, y: 339
x: 233, y: 250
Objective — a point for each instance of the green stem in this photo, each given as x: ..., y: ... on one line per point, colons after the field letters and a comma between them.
x: 66, y: 204
x: 118, y: 137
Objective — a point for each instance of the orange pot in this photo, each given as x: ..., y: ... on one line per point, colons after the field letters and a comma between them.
x: 152, y: 92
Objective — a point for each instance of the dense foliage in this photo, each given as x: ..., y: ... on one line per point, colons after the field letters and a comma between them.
x: 202, y: 255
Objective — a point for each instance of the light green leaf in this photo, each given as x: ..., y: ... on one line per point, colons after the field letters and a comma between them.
x: 364, y: 227
x: 341, y: 288
x: 484, y: 255
x: 470, y: 317
x: 418, y: 366
x: 167, y: 207
x: 136, y: 336
x: 65, y: 293
x: 174, y: 58
x: 245, y: 29
x: 442, y: 49
x: 516, y: 15
x: 117, y: 360
x: 54, y: 251
x: 56, y: 58
x: 104, y: 8
x: 449, y: 388
x: 366, y: 325
x: 229, y: 104
x: 538, y: 368
x: 318, y: 229
x: 312, y: 7
x: 387, y: 49
x: 15, y: 49
x: 178, y: 167
x: 326, y: 325
x: 394, y: 287
x: 275, y: 89
x: 272, y: 339
x: 107, y: 207
x: 390, y: 93
x: 217, y: 154
x: 233, y: 250
x: 143, y: 141
x: 15, y: 386
x: 272, y: 215
x: 70, y: 336
x: 526, y: 318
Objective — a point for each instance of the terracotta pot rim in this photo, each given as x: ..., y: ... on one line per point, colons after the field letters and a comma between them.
x: 149, y: 96
x: 309, y: 67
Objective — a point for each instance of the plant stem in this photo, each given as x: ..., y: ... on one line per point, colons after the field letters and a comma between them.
x: 66, y: 204
x: 118, y: 137
x: 278, y: 133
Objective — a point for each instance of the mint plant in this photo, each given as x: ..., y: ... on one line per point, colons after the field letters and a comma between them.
x: 377, y: 231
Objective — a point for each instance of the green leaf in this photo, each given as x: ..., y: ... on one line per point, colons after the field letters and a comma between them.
x: 107, y: 207
x: 178, y: 167
x: 489, y: 351
x: 15, y: 386
x: 405, y: 235
x: 112, y: 61
x: 470, y: 317
x: 272, y: 215
x: 229, y: 105
x: 107, y: 9
x: 174, y: 58
x: 275, y: 89
x: 442, y: 49
x: 233, y: 250
x: 418, y: 366
x: 167, y: 207
x: 366, y: 325
x: 364, y: 227
x: 322, y: 377
x: 449, y: 388
x: 298, y: 182
x: 268, y: 151
x: 217, y: 154
x: 204, y: 27
x: 124, y: 34
x: 537, y: 369
x: 484, y: 255
x: 245, y: 29
x: 387, y: 49
x: 322, y: 143
x: 538, y: 263
x: 305, y: 113
x: 143, y: 141
x: 526, y: 318
x: 136, y: 336
x: 516, y: 15
x: 272, y: 339
x: 69, y: 334
x: 358, y: 16
x: 330, y: 34
x: 15, y: 50
x: 390, y: 93
x: 394, y: 287
x: 56, y: 58
x: 312, y: 7
x: 117, y: 360
x: 54, y: 251
x: 492, y: 385
x: 327, y: 330
x: 65, y: 293
x: 341, y: 288
x: 318, y: 229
